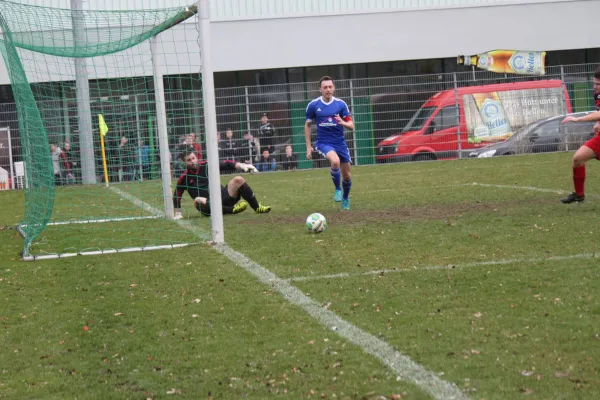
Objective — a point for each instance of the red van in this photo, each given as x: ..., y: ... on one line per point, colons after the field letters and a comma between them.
x: 485, y: 114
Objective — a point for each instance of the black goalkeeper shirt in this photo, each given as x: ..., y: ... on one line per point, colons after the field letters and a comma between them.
x: 195, y: 181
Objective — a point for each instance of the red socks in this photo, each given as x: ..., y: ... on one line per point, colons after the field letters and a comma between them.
x: 579, y: 179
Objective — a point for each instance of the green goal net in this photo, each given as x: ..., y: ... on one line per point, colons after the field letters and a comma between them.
x: 134, y: 73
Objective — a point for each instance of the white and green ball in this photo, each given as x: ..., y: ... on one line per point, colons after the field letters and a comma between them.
x: 316, y: 223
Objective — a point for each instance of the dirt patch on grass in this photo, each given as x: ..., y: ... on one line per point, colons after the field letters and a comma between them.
x: 397, y: 214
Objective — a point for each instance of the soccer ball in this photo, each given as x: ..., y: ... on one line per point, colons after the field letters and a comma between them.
x: 316, y: 223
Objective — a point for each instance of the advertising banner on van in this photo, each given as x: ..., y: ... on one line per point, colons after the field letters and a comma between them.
x: 494, y: 116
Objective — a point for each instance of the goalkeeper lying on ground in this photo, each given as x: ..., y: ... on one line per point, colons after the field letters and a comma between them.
x: 195, y: 181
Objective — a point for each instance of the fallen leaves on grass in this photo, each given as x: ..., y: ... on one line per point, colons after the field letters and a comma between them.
x: 526, y: 391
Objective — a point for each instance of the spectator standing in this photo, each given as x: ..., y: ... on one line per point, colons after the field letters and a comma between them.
x: 144, y: 157
x: 128, y: 159
x: 230, y: 146
x: 191, y: 140
x: 58, y: 158
x: 266, y: 134
x: 69, y: 163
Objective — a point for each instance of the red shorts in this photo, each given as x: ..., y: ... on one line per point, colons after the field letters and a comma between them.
x: 594, y: 144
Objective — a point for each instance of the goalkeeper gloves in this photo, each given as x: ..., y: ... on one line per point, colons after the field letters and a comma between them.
x: 248, y: 168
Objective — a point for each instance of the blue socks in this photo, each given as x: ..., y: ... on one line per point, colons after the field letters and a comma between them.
x: 347, y: 185
x: 336, y: 177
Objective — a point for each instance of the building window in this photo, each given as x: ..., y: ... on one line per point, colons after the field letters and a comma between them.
x: 563, y: 57
x: 358, y: 71
x: 225, y: 79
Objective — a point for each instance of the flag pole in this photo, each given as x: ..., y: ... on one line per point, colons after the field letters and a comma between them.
x: 103, y: 130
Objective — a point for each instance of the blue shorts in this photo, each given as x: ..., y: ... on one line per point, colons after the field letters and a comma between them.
x: 340, y: 149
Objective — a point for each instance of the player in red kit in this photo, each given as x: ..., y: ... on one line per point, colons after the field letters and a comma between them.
x: 589, y: 150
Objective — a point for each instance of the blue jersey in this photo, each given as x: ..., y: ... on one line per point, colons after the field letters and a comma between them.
x: 323, y: 114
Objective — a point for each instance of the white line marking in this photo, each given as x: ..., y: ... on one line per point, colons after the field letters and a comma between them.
x: 98, y: 221
x: 532, y: 188
x: 402, y: 365
x: 108, y: 251
x: 95, y: 221
x: 442, y: 267
x: 147, y: 207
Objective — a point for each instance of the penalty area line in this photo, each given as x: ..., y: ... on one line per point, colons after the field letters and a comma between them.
x: 443, y: 267
x: 405, y: 368
x: 531, y: 188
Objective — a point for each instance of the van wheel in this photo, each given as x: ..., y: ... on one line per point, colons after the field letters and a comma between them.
x: 424, y: 157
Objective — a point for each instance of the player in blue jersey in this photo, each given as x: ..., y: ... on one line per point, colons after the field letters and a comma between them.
x: 331, y: 116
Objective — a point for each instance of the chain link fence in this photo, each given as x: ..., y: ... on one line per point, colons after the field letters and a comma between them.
x: 402, y: 118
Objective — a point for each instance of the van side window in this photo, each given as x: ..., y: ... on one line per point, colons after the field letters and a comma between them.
x: 446, y: 118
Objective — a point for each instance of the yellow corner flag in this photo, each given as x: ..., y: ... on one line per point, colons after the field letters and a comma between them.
x: 103, y: 127
x: 103, y: 130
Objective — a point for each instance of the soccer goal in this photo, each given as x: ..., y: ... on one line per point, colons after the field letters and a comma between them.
x: 105, y: 99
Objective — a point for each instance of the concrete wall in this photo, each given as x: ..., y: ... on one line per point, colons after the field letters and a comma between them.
x: 434, y: 33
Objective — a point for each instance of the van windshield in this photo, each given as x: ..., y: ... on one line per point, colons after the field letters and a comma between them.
x: 419, y: 119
